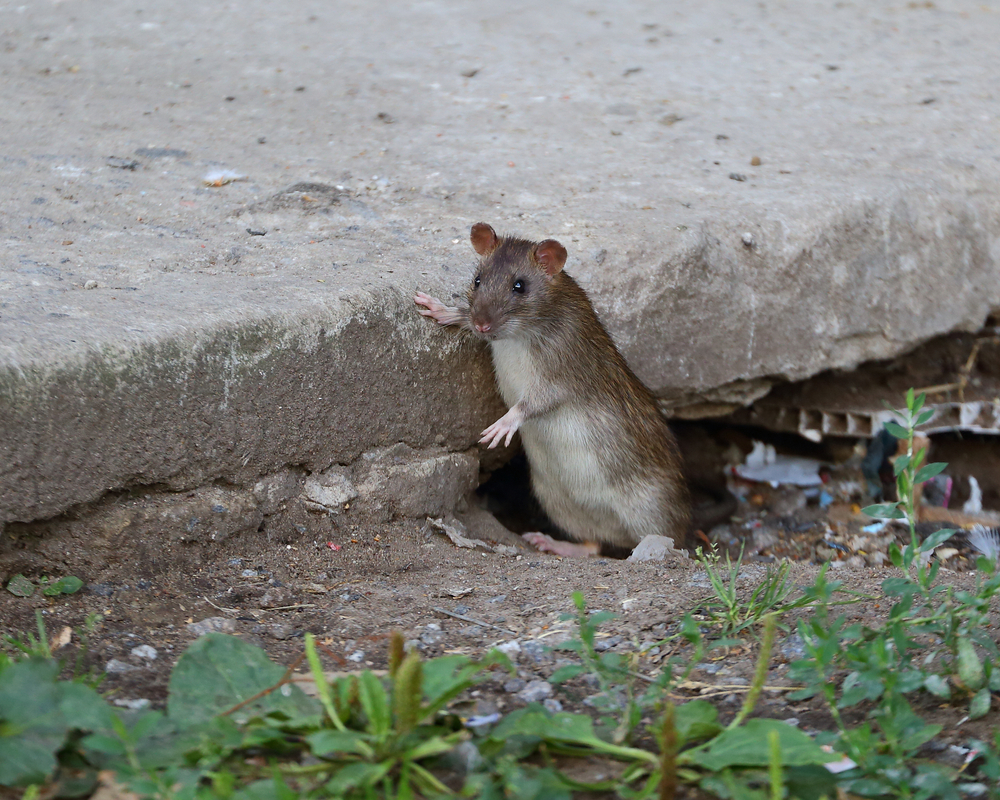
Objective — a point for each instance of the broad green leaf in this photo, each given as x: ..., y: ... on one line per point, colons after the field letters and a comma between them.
x: 924, y: 416
x: 328, y: 742
x: 970, y: 668
x: 896, y: 430
x: 980, y: 704
x: 447, y: 677
x: 566, y: 673
x: 883, y: 511
x: 695, y: 720
x: 68, y: 585
x: 937, y: 686
x: 747, y: 746
x: 357, y: 775
x: 810, y: 782
x: 936, y: 539
x: 919, y: 737
x: 37, y: 713
x: 20, y: 586
x: 217, y: 672
x: 928, y: 471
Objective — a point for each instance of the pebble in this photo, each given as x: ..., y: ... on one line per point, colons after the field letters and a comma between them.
x: 552, y: 705
x: 357, y: 656
x: 281, y: 631
x: 145, y: 651
x: 534, y: 650
x: 793, y: 647
x: 116, y: 667
x: 134, y: 705
x: 514, y: 685
x: 212, y: 625
x: 511, y: 649
x: 91, y: 284
x: 606, y: 644
x: 535, y: 691
x: 101, y: 589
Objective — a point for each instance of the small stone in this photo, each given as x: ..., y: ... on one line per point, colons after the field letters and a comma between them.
x: 281, y: 631
x: 653, y: 548
x: 91, y: 284
x: 535, y: 651
x: 747, y: 239
x: 535, y: 692
x: 116, y: 667
x: 514, y: 685
x: 145, y: 651
x: 134, y: 705
x: 606, y: 644
x: 329, y: 491
x: 511, y: 649
x: 552, y: 705
x: 212, y: 625
x: 101, y: 589
x: 737, y: 176
x: 357, y: 656
x: 755, y: 161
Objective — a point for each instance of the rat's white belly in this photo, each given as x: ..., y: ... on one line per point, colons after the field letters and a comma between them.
x: 562, y: 453
x: 560, y: 445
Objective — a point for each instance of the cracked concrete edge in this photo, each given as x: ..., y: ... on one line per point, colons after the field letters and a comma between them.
x: 252, y: 392
x: 234, y: 401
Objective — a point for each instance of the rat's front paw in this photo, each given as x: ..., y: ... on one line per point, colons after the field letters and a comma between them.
x: 506, y: 426
x: 436, y: 310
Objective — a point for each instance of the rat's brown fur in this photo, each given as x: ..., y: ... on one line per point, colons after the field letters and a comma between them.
x: 604, y: 464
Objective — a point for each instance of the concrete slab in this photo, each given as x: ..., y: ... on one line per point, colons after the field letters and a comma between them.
x: 233, y: 330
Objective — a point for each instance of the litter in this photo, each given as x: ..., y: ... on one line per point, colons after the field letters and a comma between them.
x: 974, y: 505
x: 220, y: 177
x: 763, y: 464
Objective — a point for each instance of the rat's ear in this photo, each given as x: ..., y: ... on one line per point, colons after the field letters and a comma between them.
x: 550, y: 256
x: 484, y: 239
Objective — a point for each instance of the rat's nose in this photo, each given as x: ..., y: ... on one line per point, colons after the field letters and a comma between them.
x: 482, y: 327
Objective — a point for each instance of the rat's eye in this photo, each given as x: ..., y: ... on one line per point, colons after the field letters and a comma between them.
x: 476, y: 282
x: 520, y: 286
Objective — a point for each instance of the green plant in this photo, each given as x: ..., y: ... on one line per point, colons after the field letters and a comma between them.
x: 927, y: 644
x: 621, y: 701
x: 726, y: 608
x: 381, y: 733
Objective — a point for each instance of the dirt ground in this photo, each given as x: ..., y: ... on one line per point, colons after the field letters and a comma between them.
x: 353, y: 589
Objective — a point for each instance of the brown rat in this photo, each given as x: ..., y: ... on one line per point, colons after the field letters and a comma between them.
x: 604, y: 464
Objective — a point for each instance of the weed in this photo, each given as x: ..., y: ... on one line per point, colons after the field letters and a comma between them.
x: 621, y: 701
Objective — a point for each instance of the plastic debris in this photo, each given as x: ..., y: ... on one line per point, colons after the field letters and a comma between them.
x: 974, y: 505
x: 763, y: 464
x: 220, y: 177
x: 985, y: 540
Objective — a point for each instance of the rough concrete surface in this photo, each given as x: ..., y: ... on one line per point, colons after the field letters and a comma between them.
x: 157, y: 331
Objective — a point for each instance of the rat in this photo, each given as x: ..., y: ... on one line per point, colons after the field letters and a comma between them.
x: 604, y: 464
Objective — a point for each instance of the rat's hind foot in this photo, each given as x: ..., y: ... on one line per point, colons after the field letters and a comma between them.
x: 547, y: 544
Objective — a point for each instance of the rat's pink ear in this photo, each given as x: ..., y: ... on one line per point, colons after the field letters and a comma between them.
x: 551, y: 256
x: 484, y: 239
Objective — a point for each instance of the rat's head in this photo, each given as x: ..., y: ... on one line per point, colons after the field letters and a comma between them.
x: 512, y: 288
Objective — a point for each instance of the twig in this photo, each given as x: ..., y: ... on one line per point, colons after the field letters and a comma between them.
x: 473, y: 621
x: 286, y: 678
x: 289, y: 608
x: 222, y: 608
